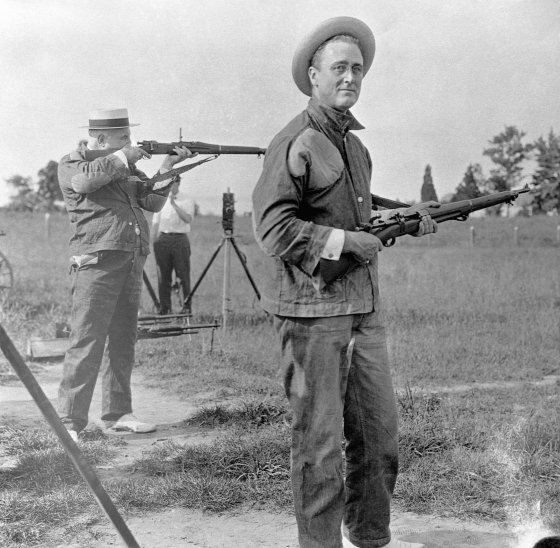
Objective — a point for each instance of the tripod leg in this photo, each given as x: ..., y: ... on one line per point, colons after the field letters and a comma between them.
x: 245, y: 267
x: 150, y: 289
x: 188, y: 298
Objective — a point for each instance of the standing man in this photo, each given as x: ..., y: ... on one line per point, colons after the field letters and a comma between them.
x: 170, y: 230
x: 104, y: 198
x: 308, y: 204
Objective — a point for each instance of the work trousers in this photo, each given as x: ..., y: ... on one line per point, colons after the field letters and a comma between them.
x: 105, y: 301
x: 172, y: 252
x: 337, y: 380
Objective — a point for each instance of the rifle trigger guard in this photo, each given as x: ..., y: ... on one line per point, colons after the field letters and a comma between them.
x: 390, y: 242
x: 462, y: 217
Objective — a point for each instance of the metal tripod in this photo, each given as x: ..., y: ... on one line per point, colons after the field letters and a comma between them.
x: 228, y: 242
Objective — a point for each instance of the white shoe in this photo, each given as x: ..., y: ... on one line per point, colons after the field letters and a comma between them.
x: 129, y: 423
x: 73, y: 435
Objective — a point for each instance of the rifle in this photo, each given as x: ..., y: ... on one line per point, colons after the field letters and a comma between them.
x: 408, y: 223
x: 155, y: 147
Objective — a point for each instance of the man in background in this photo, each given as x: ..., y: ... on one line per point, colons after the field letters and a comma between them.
x: 105, y: 198
x: 308, y: 205
x: 172, y: 249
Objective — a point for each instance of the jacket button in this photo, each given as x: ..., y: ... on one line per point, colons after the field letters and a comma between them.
x: 360, y: 199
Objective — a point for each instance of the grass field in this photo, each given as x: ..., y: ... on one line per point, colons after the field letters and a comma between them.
x: 457, y: 316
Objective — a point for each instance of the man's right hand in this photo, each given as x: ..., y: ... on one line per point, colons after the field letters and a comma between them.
x: 362, y: 245
x: 134, y: 154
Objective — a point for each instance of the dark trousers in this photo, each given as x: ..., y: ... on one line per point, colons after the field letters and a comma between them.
x: 105, y: 300
x: 336, y: 372
x: 173, y: 253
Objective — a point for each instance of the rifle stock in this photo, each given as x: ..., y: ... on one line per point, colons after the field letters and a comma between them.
x: 155, y: 147
x: 389, y: 231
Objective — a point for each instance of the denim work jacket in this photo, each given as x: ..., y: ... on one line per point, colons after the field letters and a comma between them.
x: 104, y: 199
x: 316, y: 176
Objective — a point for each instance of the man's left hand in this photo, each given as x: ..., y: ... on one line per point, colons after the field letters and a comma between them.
x: 181, y: 153
x: 427, y: 224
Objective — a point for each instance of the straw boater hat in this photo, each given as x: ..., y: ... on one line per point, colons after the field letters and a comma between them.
x: 109, y: 118
x: 327, y: 29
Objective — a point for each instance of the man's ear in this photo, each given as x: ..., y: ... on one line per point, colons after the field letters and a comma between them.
x: 101, y: 138
x: 312, y: 73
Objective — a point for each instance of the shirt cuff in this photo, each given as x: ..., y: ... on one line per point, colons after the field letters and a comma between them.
x: 121, y: 156
x: 333, y: 247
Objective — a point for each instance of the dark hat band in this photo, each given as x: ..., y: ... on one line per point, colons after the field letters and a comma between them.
x: 109, y: 123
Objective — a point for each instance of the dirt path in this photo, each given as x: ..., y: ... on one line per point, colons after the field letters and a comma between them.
x: 246, y: 528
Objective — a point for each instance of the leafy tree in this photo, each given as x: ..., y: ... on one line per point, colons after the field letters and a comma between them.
x: 547, y: 174
x: 428, y: 191
x: 48, y: 189
x: 508, y: 152
x: 473, y: 184
x: 25, y: 198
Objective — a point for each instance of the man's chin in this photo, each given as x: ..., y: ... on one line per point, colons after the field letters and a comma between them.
x: 345, y: 105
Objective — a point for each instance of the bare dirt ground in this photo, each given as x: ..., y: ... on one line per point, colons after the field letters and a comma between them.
x: 245, y: 528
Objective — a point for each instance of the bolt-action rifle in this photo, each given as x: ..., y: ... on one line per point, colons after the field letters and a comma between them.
x: 409, y: 223
x: 155, y: 147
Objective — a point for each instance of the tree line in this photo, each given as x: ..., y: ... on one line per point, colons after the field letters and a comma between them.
x: 508, y: 151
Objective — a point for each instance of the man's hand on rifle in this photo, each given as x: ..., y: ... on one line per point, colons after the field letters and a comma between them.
x: 134, y: 154
x: 427, y: 224
x: 180, y: 154
x: 362, y: 245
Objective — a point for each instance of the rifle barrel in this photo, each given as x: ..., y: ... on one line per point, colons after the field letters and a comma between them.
x: 155, y: 147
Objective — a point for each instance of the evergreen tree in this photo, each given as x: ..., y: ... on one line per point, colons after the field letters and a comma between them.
x: 508, y: 152
x: 547, y: 175
x: 428, y: 191
x: 25, y: 198
x: 48, y: 189
x: 472, y: 185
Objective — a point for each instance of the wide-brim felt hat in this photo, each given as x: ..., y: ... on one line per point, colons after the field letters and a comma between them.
x: 109, y: 118
x: 325, y: 30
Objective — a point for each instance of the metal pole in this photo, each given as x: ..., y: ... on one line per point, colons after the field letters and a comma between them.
x: 226, y: 286
x: 70, y: 447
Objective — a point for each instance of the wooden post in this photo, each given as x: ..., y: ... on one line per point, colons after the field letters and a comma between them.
x: 471, y: 236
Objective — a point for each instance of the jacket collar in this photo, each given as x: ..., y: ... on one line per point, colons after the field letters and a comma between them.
x: 340, y: 122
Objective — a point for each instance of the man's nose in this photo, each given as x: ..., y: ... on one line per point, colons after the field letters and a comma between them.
x: 349, y: 75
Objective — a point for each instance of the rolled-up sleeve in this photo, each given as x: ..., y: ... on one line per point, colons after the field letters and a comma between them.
x: 277, y: 198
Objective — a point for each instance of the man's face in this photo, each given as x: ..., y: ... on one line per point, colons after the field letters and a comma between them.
x: 117, y: 138
x: 338, y: 78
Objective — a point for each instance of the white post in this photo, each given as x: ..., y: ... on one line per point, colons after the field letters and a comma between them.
x: 515, y: 235
x: 558, y: 234
x: 47, y: 225
x: 471, y: 236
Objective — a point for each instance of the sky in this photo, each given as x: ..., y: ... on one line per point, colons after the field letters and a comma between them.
x: 447, y: 77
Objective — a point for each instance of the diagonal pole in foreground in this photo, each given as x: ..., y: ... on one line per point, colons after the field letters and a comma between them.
x: 73, y: 451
